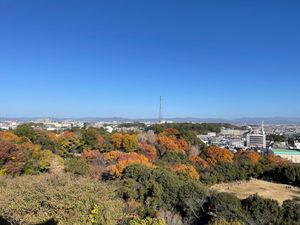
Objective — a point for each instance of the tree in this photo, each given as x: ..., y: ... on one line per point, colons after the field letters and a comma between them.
x: 12, y: 158
x: 186, y: 170
x: 129, y: 143
x: 174, y: 158
x: 148, y: 150
x: 225, y: 206
x: 191, y: 197
x: 149, y: 137
x: 138, y: 172
x: 170, y: 185
x: 10, y: 137
x: 100, y: 141
x: 217, y: 155
x: 44, y: 141
x: 277, y: 160
x: 117, y: 140
x: 171, y: 143
x: 291, y: 212
x: 25, y: 130
x: 253, y: 156
x: 125, y: 159
x: 289, y: 173
x: 263, y: 211
x: 199, y: 162
x: 90, y: 137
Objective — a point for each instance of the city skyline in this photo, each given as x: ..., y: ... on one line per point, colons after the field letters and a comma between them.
x: 208, y: 59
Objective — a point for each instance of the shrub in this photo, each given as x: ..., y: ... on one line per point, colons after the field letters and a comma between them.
x: 25, y: 130
x: 66, y: 199
x: 76, y: 166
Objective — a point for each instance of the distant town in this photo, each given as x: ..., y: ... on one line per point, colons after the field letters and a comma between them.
x: 281, y: 140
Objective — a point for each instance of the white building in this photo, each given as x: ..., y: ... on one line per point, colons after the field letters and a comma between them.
x: 232, y: 132
x: 257, y: 140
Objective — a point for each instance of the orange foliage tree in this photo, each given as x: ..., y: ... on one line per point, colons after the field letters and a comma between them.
x: 66, y: 135
x: 112, y: 156
x: 148, y: 150
x: 199, y: 162
x: 100, y: 141
x: 91, y: 155
x: 217, y: 155
x: 8, y: 136
x: 172, y: 143
x: 125, y: 159
x: 253, y: 156
x: 186, y: 170
x: 277, y: 160
x: 116, y: 140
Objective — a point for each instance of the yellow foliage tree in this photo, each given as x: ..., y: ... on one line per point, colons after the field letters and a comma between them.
x: 187, y: 170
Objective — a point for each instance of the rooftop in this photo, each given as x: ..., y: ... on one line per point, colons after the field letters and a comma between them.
x: 286, y: 152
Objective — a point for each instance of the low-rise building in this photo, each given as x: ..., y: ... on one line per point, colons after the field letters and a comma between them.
x: 292, y: 155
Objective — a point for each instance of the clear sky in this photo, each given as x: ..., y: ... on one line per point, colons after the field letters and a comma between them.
x: 207, y: 58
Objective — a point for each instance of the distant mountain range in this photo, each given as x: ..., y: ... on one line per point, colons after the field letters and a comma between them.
x: 244, y: 120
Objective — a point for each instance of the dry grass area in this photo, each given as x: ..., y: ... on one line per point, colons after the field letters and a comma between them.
x: 279, y: 192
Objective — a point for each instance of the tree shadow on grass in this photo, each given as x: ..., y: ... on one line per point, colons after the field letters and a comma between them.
x: 4, y: 221
x: 49, y: 222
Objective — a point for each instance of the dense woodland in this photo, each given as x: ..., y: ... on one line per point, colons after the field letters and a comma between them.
x: 160, y: 176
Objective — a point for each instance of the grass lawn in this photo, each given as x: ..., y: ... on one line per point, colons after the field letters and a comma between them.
x: 279, y: 192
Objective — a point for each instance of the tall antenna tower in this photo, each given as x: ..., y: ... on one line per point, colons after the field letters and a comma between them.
x: 160, y: 119
x: 263, y: 127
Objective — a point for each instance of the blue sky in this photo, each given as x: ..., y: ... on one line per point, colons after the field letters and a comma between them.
x: 208, y: 58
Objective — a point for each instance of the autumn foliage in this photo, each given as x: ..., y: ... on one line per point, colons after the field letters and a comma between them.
x: 277, y: 160
x: 217, y: 155
x: 122, y: 160
x: 126, y: 142
x: 90, y: 155
x: 172, y: 143
x: 253, y: 156
x: 187, y: 170
x: 8, y: 136
x: 148, y: 150
x: 199, y: 162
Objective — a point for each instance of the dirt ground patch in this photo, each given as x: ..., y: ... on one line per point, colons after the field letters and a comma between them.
x: 279, y: 192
